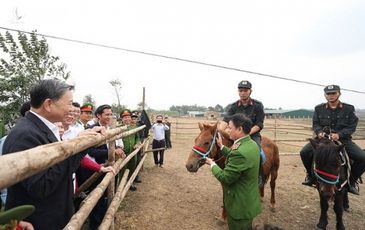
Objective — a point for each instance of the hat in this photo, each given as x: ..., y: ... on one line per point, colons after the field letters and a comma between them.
x: 125, y: 112
x: 86, y: 108
x: 245, y: 84
x: 17, y: 213
x: 332, y: 89
x: 134, y: 114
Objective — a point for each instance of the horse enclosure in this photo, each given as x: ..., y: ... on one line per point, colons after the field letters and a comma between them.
x: 173, y: 198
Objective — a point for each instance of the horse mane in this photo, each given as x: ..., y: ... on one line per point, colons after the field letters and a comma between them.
x: 226, y: 139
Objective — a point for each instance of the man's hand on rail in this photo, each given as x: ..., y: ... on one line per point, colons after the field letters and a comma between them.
x: 120, y: 152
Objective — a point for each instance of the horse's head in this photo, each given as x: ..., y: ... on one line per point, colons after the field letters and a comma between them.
x: 327, y: 164
x: 204, y: 146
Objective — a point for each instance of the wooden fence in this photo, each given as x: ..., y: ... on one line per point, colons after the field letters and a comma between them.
x: 284, y: 131
x: 21, y: 165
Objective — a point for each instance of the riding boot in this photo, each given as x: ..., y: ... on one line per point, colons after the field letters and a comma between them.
x: 309, y: 179
x: 354, y: 187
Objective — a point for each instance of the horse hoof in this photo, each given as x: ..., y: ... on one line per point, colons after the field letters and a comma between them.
x: 220, y: 221
x: 320, y: 227
x: 340, y: 227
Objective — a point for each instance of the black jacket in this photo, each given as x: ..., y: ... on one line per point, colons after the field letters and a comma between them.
x: 50, y: 191
x: 254, y: 110
x: 341, y: 120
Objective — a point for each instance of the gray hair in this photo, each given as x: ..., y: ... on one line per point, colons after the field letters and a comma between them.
x: 52, y: 89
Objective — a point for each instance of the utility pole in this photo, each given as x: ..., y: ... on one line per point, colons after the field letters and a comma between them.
x: 144, y: 98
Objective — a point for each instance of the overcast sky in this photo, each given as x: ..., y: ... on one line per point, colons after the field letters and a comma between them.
x: 317, y: 41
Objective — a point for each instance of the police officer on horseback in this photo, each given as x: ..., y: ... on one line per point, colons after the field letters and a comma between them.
x: 342, y: 121
x: 253, y: 109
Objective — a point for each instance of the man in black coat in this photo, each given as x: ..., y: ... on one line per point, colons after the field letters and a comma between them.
x: 50, y: 191
x: 341, y: 121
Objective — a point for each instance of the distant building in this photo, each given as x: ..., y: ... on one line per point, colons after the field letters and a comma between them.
x: 195, y: 114
x: 212, y: 115
x: 281, y: 113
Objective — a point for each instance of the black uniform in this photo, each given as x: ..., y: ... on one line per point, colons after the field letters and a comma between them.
x: 342, y: 121
x: 253, y: 110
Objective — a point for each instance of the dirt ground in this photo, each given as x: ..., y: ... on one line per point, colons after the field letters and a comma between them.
x: 172, y: 198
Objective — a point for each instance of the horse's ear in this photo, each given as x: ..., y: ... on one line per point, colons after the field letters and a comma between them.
x: 313, y: 142
x: 201, y: 127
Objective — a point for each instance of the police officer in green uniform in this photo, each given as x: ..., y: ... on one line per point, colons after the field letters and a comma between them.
x: 341, y: 119
x: 86, y: 114
x: 239, y: 177
x: 253, y: 109
x: 130, y: 144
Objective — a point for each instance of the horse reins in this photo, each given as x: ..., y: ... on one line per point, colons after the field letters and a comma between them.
x: 205, y: 153
x: 334, y: 179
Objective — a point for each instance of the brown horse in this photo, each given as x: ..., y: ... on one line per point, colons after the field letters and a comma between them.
x: 205, y: 142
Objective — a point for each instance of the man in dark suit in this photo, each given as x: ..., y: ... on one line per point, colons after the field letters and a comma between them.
x: 104, y: 114
x: 50, y: 191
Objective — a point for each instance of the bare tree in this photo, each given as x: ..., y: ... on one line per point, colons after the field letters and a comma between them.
x: 117, y: 85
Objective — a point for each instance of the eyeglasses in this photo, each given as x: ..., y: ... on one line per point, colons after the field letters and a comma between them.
x: 332, y: 93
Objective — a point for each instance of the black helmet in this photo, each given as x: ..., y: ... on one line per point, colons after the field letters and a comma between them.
x: 244, y: 84
x: 332, y: 89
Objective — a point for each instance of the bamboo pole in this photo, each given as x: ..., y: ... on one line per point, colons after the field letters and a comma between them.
x: 111, y: 160
x: 111, y: 186
x: 96, y: 175
x: 88, y: 182
x: 90, y: 201
x: 151, y: 150
x: 121, y: 193
x: 127, y: 133
x: 113, y: 207
x: 20, y: 165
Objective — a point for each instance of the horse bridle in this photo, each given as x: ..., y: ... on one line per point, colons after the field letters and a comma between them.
x: 332, y: 178
x: 205, y: 153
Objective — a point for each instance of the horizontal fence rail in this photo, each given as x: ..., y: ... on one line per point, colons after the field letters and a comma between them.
x: 21, y: 165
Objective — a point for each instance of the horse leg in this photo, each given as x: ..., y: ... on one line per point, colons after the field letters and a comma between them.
x: 262, y: 193
x: 265, y: 177
x: 338, y: 208
x: 323, y: 219
x: 346, y: 202
x: 274, y: 175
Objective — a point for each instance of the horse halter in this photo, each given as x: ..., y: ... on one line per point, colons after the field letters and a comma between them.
x: 326, y: 177
x: 202, y: 152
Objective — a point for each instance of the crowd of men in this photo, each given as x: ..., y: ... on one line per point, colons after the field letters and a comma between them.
x: 52, y: 116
